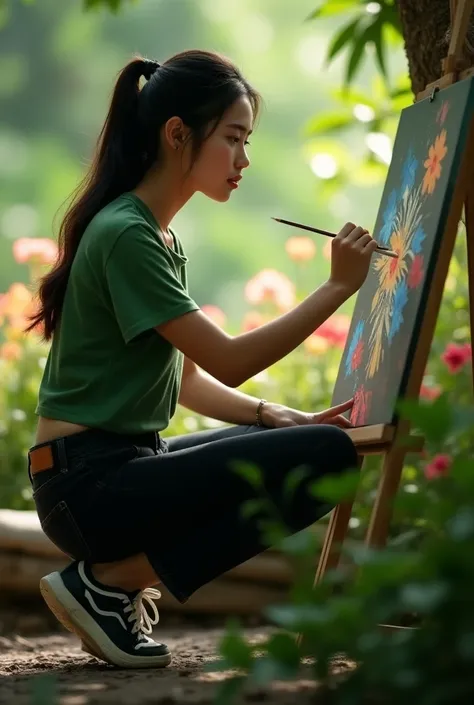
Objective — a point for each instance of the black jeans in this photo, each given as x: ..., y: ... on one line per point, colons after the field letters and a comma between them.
x: 179, y: 500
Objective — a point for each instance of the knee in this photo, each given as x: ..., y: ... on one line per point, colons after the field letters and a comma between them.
x: 341, y: 450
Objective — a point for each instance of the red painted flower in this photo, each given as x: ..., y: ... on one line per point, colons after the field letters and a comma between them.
x: 438, y: 467
x: 455, y: 356
x: 416, y: 273
x: 357, y: 355
x: 361, y: 407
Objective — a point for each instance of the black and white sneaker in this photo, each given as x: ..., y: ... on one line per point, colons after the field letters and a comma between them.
x: 113, y: 624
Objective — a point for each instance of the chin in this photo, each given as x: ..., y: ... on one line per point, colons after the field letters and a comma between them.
x: 220, y: 196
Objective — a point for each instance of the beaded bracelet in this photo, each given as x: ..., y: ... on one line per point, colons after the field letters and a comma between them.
x: 259, y: 408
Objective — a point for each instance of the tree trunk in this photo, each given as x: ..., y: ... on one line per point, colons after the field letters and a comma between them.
x: 425, y: 27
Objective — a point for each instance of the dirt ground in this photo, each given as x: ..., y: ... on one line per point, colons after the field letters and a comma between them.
x: 35, y: 652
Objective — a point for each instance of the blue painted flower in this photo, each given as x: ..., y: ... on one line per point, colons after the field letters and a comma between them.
x: 400, y: 300
x: 418, y: 237
x: 356, y: 337
x: 409, y: 168
x: 389, y: 215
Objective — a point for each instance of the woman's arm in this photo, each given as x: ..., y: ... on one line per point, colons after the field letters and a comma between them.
x: 207, y: 396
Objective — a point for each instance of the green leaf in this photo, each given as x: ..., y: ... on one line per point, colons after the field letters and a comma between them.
x: 294, y: 479
x: 332, y: 7
x: 248, y: 472
x: 266, y: 670
x: 357, y: 53
x: 379, y: 48
x: 228, y: 690
x: 330, y: 121
x: 252, y: 507
x: 234, y: 649
x: 284, y: 649
x: 335, y: 489
x: 342, y: 38
x: 353, y: 96
x: 433, y: 419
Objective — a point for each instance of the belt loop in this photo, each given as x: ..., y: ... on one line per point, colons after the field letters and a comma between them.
x: 61, y: 446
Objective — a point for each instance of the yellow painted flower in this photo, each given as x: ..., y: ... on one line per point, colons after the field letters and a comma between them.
x: 436, y: 154
x: 391, y: 270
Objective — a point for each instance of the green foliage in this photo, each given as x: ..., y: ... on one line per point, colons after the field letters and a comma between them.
x: 428, y: 583
x: 367, y: 29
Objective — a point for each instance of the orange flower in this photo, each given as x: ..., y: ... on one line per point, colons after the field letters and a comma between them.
x: 315, y: 344
x: 10, y: 351
x: 252, y: 320
x: 273, y: 286
x: 16, y: 305
x: 436, y: 154
x: 300, y: 249
x: 215, y: 313
x: 42, y: 250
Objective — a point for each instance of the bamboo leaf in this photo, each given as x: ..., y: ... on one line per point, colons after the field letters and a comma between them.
x: 342, y: 38
x: 331, y: 7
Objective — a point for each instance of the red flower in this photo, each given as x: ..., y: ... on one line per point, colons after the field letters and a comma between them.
x: 335, y: 329
x: 361, y: 407
x: 416, y: 273
x: 357, y: 356
x: 438, y: 467
x: 455, y: 356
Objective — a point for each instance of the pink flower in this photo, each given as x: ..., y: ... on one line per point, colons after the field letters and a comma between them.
x: 273, y: 286
x: 430, y: 393
x: 455, y: 356
x: 252, y: 320
x: 300, y: 249
x: 438, y: 466
x: 43, y: 250
x: 215, y: 313
x: 335, y: 329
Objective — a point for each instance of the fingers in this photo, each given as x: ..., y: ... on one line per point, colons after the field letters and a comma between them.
x: 340, y: 421
x: 339, y: 408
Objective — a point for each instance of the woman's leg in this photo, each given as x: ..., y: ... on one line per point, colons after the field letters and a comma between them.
x: 183, y: 509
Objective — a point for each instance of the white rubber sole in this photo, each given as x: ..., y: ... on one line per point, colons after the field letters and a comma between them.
x: 76, y: 619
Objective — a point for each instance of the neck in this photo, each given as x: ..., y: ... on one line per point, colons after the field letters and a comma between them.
x: 165, y: 192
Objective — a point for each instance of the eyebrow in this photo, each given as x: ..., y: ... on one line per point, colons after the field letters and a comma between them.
x: 240, y: 127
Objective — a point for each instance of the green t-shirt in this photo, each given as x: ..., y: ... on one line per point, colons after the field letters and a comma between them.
x: 107, y: 367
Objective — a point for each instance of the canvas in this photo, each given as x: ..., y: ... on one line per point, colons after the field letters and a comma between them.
x: 386, y: 322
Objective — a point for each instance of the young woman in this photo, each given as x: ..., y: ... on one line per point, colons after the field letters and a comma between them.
x: 129, y: 343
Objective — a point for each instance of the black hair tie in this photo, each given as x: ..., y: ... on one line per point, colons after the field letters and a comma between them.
x: 149, y: 68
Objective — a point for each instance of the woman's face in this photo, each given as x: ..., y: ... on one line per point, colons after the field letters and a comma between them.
x: 223, y: 156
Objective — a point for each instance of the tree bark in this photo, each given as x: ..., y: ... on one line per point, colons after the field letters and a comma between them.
x: 425, y: 27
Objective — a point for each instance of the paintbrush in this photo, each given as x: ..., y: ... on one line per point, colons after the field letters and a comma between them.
x: 382, y: 250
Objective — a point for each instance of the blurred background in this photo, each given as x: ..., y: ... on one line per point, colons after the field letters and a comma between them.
x: 58, y: 65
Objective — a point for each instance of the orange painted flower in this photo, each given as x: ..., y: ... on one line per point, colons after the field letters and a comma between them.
x: 42, y: 250
x: 215, y: 313
x: 436, y: 154
x: 252, y: 320
x: 270, y: 285
x: 315, y: 344
x: 300, y: 249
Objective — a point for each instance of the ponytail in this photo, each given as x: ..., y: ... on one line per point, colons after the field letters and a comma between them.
x: 120, y: 162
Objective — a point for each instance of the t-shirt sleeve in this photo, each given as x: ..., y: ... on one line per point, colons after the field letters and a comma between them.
x: 144, y: 288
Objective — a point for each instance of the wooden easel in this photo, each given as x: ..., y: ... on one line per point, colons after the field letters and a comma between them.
x: 394, y: 441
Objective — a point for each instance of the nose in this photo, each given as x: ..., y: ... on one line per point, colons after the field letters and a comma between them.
x: 242, y: 162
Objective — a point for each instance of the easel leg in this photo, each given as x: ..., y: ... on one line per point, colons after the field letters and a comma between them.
x: 469, y: 212
x: 335, y: 535
x: 387, y: 489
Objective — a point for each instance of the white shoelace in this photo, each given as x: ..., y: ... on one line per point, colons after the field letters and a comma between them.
x: 139, y: 614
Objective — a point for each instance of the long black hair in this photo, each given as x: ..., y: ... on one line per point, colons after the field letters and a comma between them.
x: 197, y: 86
